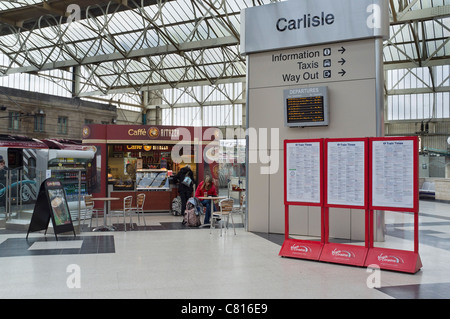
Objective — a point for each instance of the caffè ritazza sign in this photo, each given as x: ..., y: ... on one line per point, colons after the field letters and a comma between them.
x: 155, y: 132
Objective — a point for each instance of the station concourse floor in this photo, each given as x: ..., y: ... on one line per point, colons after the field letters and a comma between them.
x: 166, y: 261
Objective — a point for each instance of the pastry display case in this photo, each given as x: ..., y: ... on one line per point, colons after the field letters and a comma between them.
x: 152, y: 179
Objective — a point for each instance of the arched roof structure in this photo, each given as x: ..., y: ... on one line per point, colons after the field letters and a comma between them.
x: 103, y: 49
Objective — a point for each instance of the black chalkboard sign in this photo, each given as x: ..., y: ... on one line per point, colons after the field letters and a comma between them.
x: 51, y: 204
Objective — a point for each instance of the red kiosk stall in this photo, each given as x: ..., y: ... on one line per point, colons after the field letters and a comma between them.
x: 128, y: 154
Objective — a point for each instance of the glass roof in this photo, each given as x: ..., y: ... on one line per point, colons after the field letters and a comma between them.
x: 152, y: 45
x: 420, y: 32
x: 126, y: 49
x: 12, y: 4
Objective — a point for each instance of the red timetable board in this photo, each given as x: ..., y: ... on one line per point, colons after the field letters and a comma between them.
x: 303, y: 185
x: 394, y: 186
x: 346, y: 186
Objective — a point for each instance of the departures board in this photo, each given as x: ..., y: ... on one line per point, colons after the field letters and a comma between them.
x: 306, y: 107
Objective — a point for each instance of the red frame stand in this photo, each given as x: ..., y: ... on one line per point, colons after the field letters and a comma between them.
x: 396, y: 259
x: 356, y: 255
x: 298, y: 248
x: 348, y: 254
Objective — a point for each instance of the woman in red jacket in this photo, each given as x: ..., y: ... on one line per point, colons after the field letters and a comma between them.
x: 206, y: 187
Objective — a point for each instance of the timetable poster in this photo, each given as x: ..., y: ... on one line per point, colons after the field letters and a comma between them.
x: 346, y: 173
x: 303, y: 172
x: 393, y: 175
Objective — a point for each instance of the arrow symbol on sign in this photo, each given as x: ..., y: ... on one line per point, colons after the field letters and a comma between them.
x: 342, y: 61
x: 342, y: 73
x: 342, y: 50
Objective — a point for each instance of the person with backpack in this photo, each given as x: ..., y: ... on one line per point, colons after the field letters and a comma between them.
x: 185, y: 180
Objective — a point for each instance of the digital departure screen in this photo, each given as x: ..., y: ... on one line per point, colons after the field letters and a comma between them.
x: 306, y: 107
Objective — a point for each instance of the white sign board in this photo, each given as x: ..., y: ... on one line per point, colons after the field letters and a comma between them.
x: 393, y: 173
x: 303, y: 172
x: 297, y: 23
x: 346, y: 177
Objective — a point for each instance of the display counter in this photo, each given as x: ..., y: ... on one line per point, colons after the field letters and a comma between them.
x: 152, y: 179
x: 156, y: 186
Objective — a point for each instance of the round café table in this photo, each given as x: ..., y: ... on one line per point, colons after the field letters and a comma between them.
x: 212, y: 199
x: 105, y: 226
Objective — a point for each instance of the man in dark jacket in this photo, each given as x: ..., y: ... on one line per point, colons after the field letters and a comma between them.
x: 185, y: 188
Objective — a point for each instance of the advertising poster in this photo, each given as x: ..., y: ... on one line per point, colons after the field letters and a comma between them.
x: 59, y: 206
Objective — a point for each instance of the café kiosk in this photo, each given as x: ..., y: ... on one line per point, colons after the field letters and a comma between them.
x: 132, y: 159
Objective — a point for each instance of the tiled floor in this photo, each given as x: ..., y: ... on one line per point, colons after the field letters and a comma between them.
x: 168, y: 260
x: 49, y: 246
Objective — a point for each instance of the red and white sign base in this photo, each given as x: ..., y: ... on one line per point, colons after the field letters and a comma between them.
x: 344, y: 254
x: 393, y: 259
x: 303, y: 249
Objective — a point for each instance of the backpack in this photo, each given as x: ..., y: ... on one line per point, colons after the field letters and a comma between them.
x: 176, y: 206
x: 191, y: 219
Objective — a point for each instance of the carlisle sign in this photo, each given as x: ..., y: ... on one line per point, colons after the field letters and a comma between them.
x: 302, y: 23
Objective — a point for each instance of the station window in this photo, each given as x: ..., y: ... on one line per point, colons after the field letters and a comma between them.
x: 39, y: 123
x: 62, y: 124
x: 14, y: 121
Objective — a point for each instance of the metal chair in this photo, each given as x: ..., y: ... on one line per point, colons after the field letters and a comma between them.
x: 139, y: 209
x: 241, y: 208
x: 226, y: 209
x: 89, y: 210
x: 126, y: 211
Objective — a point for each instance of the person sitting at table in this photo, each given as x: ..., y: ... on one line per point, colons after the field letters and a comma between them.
x: 206, y: 186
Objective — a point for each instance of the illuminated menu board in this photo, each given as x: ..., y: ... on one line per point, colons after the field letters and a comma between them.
x: 306, y: 107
